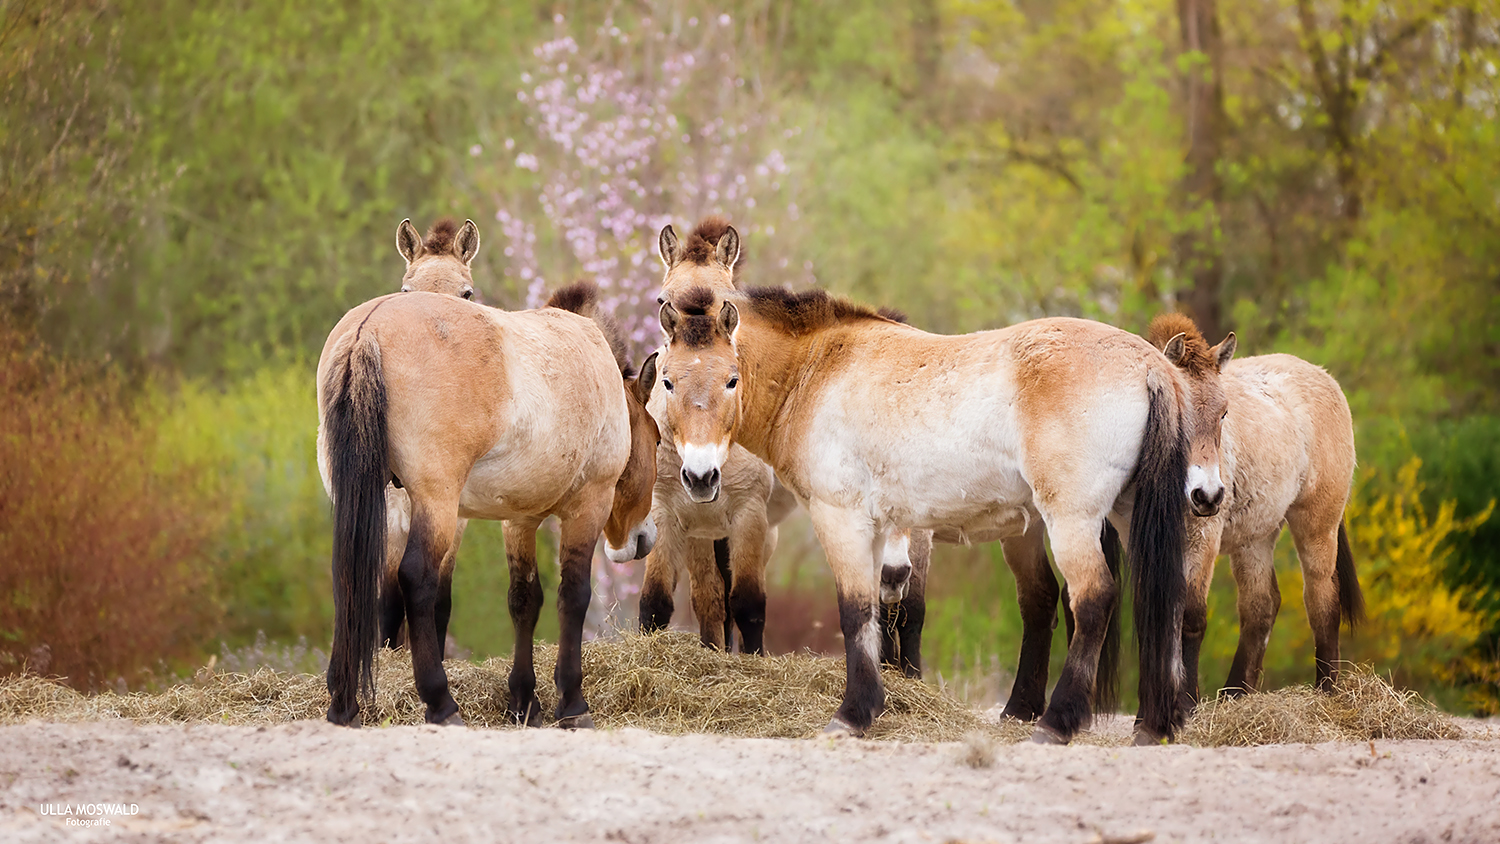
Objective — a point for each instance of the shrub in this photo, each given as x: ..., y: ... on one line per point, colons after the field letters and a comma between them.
x: 104, y: 570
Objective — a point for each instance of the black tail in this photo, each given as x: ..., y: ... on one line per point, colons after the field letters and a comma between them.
x: 1351, y: 597
x: 1158, y: 540
x: 355, y: 430
x: 1107, y: 680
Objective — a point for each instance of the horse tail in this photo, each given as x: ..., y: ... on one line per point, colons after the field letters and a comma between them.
x: 358, y: 463
x: 1107, y: 680
x: 1351, y: 597
x: 1158, y: 540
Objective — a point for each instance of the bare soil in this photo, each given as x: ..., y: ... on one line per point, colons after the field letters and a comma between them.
x: 309, y: 781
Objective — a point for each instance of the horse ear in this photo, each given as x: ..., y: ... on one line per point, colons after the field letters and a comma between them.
x: 1175, y: 348
x: 646, y: 381
x: 728, y: 250
x: 466, y: 243
x: 408, y: 241
x: 1224, y: 352
x: 667, y: 246
x: 729, y: 318
x: 670, y: 319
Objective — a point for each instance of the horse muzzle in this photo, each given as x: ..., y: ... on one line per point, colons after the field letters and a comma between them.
x: 1205, y: 504
x: 642, y: 540
x: 703, y: 488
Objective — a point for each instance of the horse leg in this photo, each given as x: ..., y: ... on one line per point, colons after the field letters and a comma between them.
x: 580, y: 533
x: 726, y: 576
x: 432, y: 529
x: 747, y: 597
x: 1258, y: 599
x: 708, y: 592
x: 913, y: 605
x: 1202, y: 551
x: 661, y: 575
x: 392, y: 606
x: 445, y: 589
x: 1036, y: 591
x: 524, y: 599
x: 852, y: 545
x: 1093, y: 595
x: 1317, y: 549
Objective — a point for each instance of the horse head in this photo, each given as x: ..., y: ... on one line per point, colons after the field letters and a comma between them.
x: 630, y: 533
x: 700, y: 372
x: 1182, y: 344
x: 440, y: 262
x: 709, y: 258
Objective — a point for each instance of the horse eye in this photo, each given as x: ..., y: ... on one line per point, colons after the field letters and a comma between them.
x: 733, y: 382
x: 468, y: 294
x: 667, y: 383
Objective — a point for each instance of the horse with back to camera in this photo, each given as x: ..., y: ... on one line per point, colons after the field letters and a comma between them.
x: 1286, y: 457
x: 880, y: 426
x: 476, y: 413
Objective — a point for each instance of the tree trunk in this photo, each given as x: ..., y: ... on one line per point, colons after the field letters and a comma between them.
x: 1198, y: 250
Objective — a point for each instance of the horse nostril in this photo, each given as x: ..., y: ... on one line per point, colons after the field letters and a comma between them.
x: 1218, y: 497
x: 713, y: 477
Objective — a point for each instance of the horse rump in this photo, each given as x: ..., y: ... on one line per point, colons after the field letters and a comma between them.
x: 358, y: 463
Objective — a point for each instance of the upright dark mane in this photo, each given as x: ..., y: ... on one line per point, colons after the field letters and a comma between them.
x: 440, y: 237
x: 700, y: 245
x: 810, y: 310
x: 582, y: 298
x: 1198, y: 359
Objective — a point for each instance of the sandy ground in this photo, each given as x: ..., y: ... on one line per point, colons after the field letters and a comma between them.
x: 308, y: 781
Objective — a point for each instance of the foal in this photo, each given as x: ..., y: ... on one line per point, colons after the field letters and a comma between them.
x: 879, y: 426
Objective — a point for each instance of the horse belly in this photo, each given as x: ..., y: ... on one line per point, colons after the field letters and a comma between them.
x: 959, y: 469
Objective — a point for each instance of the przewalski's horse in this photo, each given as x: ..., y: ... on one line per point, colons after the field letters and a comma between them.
x: 438, y: 263
x: 1286, y: 457
x: 723, y: 541
x: 728, y: 576
x: 878, y: 426
x: 478, y: 413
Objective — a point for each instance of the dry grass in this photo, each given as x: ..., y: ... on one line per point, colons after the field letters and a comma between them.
x: 668, y: 684
x: 1362, y: 707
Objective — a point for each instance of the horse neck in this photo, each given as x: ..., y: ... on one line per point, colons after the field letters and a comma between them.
x: 770, y: 362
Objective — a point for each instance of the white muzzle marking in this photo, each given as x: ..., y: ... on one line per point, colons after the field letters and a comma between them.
x: 701, y: 460
x: 642, y: 540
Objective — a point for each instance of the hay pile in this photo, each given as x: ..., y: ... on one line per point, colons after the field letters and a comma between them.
x: 665, y: 682
x: 668, y: 683
x: 1362, y: 707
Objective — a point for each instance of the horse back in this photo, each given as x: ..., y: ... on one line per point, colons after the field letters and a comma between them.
x: 1290, y: 437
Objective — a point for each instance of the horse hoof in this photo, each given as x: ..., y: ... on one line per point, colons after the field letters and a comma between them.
x: 1046, y: 735
x: 453, y: 720
x: 838, y: 729
x: 1144, y: 738
x: 576, y: 722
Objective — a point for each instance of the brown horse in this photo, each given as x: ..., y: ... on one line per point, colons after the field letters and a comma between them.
x: 440, y: 263
x: 879, y: 426
x: 476, y: 413
x: 725, y: 544
x: 1286, y: 457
